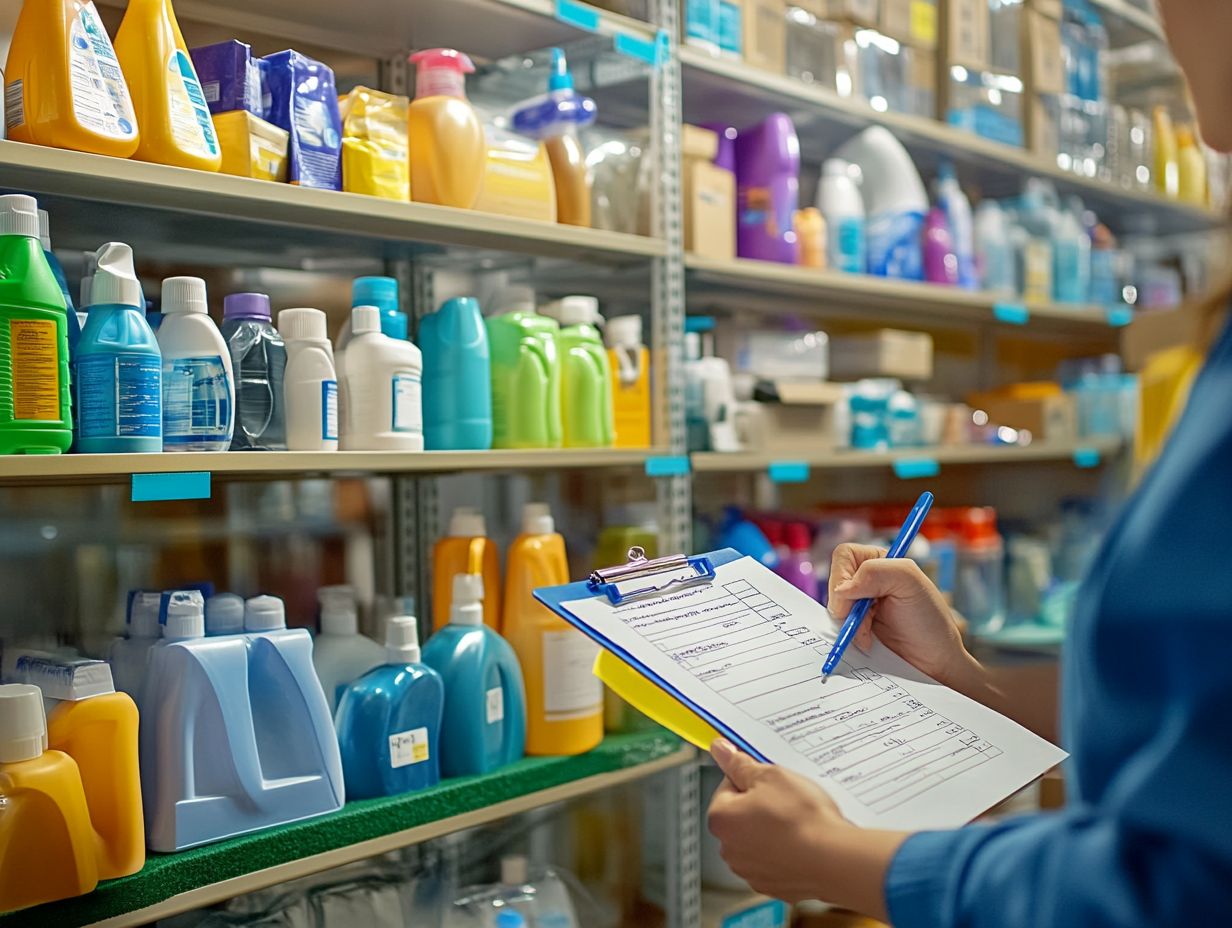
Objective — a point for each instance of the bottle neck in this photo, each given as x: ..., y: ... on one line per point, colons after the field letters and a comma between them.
x: 402, y: 654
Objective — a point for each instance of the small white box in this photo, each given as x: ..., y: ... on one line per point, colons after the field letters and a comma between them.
x: 884, y: 353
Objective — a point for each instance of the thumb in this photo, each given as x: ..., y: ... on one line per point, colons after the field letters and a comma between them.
x: 874, y: 579
x: 741, y: 769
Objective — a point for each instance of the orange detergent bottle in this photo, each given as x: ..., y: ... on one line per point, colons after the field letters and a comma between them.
x: 62, y: 84
x: 448, y: 152
x: 564, y: 699
x: 176, y: 127
x: 451, y: 556
x: 46, y: 842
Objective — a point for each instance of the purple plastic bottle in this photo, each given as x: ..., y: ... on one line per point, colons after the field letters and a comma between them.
x: 797, y: 566
x: 767, y: 190
x: 940, y: 260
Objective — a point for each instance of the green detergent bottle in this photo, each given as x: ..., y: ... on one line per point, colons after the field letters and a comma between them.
x: 586, y: 376
x: 525, y: 355
x: 34, y: 387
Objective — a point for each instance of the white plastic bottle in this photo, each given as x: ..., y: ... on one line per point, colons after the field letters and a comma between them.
x: 310, y: 384
x: 141, y: 632
x: 198, y: 381
x: 840, y: 203
x: 994, y: 254
x: 958, y: 212
x: 384, y: 405
x: 340, y: 654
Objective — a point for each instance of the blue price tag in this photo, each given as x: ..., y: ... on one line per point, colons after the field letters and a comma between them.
x: 1119, y: 316
x: 788, y: 472
x: 772, y: 914
x: 668, y: 466
x: 577, y: 14
x: 1086, y: 457
x: 1011, y: 313
x: 915, y: 468
x: 149, y: 488
x: 633, y: 47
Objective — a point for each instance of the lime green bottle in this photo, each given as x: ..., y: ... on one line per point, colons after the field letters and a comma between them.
x: 34, y: 398
x: 586, y: 374
x: 525, y: 356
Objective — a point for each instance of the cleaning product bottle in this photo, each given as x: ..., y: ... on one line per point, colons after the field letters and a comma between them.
x: 810, y: 229
x: 484, y: 723
x: 446, y: 136
x: 840, y: 202
x: 1167, y: 170
x: 259, y: 360
x: 63, y: 85
x: 556, y: 118
x: 940, y: 261
x: 797, y: 567
x: 994, y: 255
x: 767, y: 190
x: 119, y: 365
x: 389, y: 720
x: 381, y: 292
x: 224, y: 615
x: 310, y: 384
x: 74, y: 323
x: 457, y: 372
x: 629, y: 361
x: 141, y: 632
x: 1071, y: 255
x: 382, y: 378
x: 198, y: 382
x: 340, y: 653
x: 450, y: 557
x: 957, y: 209
x: 35, y: 417
x: 171, y: 108
x: 47, y: 845
x: 525, y: 354
x: 564, y: 699
x: 1191, y: 168
x: 586, y: 378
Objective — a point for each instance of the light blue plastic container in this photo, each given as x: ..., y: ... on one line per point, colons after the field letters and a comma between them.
x: 457, y: 378
x: 389, y: 721
x: 381, y: 292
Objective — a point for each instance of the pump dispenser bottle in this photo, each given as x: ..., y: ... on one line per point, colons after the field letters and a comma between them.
x: 446, y: 137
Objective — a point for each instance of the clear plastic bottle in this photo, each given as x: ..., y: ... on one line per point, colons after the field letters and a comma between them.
x: 979, y: 591
x: 259, y: 359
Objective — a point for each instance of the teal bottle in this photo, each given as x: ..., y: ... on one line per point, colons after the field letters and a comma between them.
x: 484, y: 726
x: 389, y: 721
x: 457, y: 378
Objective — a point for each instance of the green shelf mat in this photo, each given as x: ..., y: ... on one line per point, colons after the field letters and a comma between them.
x: 167, y: 875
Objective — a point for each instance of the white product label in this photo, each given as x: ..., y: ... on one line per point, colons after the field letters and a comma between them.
x: 408, y: 405
x: 570, y: 687
x: 191, y: 125
x: 196, y: 400
x: 100, y: 97
x: 329, y: 410
x: 408, y: 747
x: 14, y: 104
x: 212, y: 90
x: 496, y: 705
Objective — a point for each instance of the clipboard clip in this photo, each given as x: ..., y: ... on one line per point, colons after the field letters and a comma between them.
x: 643, y: 576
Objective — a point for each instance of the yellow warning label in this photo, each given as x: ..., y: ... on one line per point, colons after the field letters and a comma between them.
x: 36, y: 369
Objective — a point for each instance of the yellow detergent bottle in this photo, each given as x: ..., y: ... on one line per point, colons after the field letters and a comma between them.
x: 451, y: 556
x: 63, y: 86
x: 446, y: 137
x: 46, y: 842
x: 171, y: 109
x: 564, y: 699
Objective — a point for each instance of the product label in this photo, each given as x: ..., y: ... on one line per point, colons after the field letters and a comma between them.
x: 329, y: 410
x: 14, y: 104
x: 36, y: 370
x: 408, y: 747
x: 496, y: 705
x: 701, y: 18
x: 893, y: 243
x: 119, y: 396
x: 408, y: 405
x: 191, y: 126
x: 847, y: 244
x: 316, y: 145
x: 196, y: 401
x: 100, y: 97
x: 731, y: 27
x: 570, y: 688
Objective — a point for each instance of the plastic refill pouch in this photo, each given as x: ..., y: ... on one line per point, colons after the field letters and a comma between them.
x: 375, y: 151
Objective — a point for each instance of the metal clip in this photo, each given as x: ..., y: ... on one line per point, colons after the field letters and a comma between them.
x: 609, y: 579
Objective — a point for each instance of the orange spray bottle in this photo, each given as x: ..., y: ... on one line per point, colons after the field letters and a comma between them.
x: 448, y: 152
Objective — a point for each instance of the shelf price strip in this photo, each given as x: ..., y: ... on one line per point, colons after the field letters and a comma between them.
x: 577, y: 14
x: 1086, y: 457
x: 149, y: 488
x: 668, y: 466
x: 1119, y: 316
x: 788, y: 471
x: 915, y: 468
x: 1011, y: 313
x: 633, y: 47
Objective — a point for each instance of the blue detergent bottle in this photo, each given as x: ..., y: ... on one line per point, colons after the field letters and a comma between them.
x: 389, y: 720
x: 57, y: 270
x: 457, y: 378
x: 484, y: 725
x: 119, y: 365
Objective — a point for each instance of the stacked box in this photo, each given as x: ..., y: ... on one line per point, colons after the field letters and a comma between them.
x: 974, y: 94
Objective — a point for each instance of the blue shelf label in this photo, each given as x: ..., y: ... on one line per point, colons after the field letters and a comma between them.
x: 1119, y: 316
x: 772, y: 914
x: 1086, y: 457
x: 149, y: 488
x: 1011, y: 313
x: 668, y: 466
x: 915, y: 468
x: 581, y: 15
x: 633, y: 47
x: 788, y: 471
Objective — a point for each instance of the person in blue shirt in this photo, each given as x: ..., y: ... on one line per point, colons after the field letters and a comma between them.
x: 1146, y: 698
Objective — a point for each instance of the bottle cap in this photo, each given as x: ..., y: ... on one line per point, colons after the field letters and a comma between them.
x: 508, y: 918
x: 514, y: 870
x: 264, y: 614
x: 23, y: 724
x: 184, y: 295
x: 302, y: 324
x: 441, y: 72
x: 182, y: 614
x: 467, y: 522
x: 339, y: 611
x: 402, y: 640
x: 19, y: 215
x: 246, y: 306
x: 559, y: 77
x: 979, y: 525
x: 537, y: 519
x: 467, y: 605
x: 224, y: 614
x: 623, y: 332
x: 798, y: 536
x: 381, y: 292
x: 516, y: 298
x: 141, y: 620
x: 574, y: 310
x: 365, y: 319
x: 44, y: 230
x: 395, y: 325
x: 66, y: 679
x: 115, y: 283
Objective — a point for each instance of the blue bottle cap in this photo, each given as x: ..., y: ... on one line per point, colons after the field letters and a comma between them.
x: 381, y: 292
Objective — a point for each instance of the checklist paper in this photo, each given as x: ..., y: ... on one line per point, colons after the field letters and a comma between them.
x: 894, y: 748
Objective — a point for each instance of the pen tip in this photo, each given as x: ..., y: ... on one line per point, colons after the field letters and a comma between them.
x: 824, y: 676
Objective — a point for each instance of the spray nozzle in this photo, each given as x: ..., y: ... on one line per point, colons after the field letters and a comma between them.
x: 560, y: 78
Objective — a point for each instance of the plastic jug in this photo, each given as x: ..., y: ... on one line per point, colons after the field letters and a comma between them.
x: 1191, y: 168
x: 198, y: 381
x: 629, y: 363
x: 381, y: 292
x: 1167, y: 174
x: 35, y: 417
x: 63, y: 85
x: 840, y: 203
x: 259, y: 360
x: 141, y: 632
x: 526, y: 399
x: 446, y: 136
x: 171, y: 108
x: 47, y: 845
x: 586, y: 377
x: 119, y: 364
x: 383, y: 393
x: 994, y: 254
x: 450, y: 557
x: 340, y: 654
x: 564, y: 699
x: 767, y: 190
x: 389, y: 720
x: 310, y: 383
x: 57, y: 270
x: 457, y: 385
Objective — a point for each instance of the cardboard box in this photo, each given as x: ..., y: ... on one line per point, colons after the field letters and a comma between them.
x: 801, y: 421
x: 859, y: 12
x: 251, y: 147
x: 765, y: 34
x: 964, y: 33
x: 709, y: 197
x: 743, y: 910
x: 884, y: 353
x: 912, y: 22
x: 1044, y: 70
x: 1042, y: 118
x: 1047, y: 418
x: 922, y: 83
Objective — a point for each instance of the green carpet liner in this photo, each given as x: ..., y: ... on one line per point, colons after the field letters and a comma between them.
x: 166, y: 875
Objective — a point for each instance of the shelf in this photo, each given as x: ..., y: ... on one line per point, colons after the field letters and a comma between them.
x: 266, y: 223
x: 173, y: 883
x: 861, y: 297
x: 1127, y: 23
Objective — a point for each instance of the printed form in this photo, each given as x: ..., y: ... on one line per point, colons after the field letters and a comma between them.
x: 894, y: 748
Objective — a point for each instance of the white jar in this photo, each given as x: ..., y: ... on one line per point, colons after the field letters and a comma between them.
x: 382, y: 377
x: 310, y: 383
x: 198, y: 382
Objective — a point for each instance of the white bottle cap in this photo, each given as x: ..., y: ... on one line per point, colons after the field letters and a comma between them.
x: 574, y: 310
x: 19, y: 215
x: 537, y: 519
x: 142, y: 620
x: 224, y: 614
x: 467, y: 605
x: 514, y: 870
x: 365, y: 319
x: 184, y: 295
x: 264, y: 614
x: 402, y: 640
x: 835, y: 167
x: 44, y: 230
x: 467, y: 522
x: 339, y: 612
x: 23, y: 723
x: 182, y: 614
x: 115, y: 282
x: 623, y: 332
x: 515, y: 298
x: 303, y: 324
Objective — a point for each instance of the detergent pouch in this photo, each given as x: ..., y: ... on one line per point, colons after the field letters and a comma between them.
x: 231, y: 78
x: 303, y: 101
x: 375, y: 151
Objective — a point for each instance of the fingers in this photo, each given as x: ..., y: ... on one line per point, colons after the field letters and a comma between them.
x: 738, y: 767
x: 900, y: 578
x: 843, y: 566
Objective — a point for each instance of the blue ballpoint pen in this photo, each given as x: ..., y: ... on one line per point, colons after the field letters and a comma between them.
x: 906, y: 535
